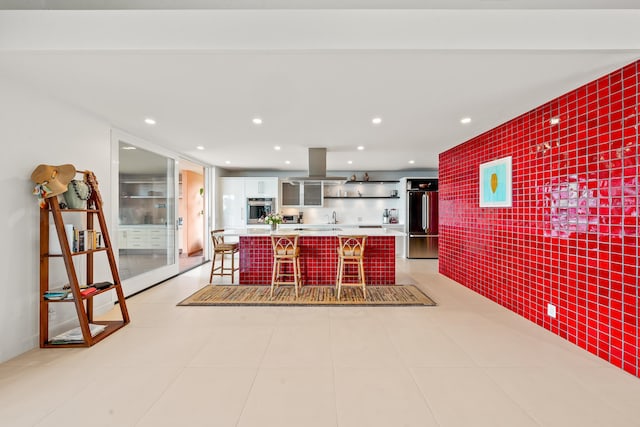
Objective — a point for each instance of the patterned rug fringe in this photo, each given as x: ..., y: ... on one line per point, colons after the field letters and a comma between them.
x: 389, y: 295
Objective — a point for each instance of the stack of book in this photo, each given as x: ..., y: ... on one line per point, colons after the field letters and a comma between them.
x: 85, y: 240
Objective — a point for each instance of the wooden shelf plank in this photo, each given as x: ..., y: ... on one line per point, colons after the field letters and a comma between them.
x: 112, y: 326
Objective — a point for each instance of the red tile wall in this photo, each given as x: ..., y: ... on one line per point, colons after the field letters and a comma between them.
x: 318, y: 260
x: 571, y: 237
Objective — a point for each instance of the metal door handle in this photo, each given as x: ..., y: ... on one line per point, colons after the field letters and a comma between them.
x: 424, y: 211
x: 428, y: 215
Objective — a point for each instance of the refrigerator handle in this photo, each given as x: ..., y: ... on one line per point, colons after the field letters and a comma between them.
x: 428, y: 214
x: 425, y: 219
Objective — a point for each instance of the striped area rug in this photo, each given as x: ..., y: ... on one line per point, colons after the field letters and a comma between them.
x: 390, y: 295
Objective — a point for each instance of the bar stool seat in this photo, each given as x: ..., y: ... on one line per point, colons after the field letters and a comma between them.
x: 285, y: 252
x: 220, y: 248
x: 351, y: 253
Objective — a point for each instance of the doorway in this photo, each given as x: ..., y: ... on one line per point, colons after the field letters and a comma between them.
x: 146, y: 209
x: 192, y: 240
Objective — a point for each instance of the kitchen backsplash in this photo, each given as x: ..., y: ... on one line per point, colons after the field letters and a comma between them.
x: 365, y: 211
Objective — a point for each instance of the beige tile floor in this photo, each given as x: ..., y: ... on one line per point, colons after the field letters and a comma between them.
x: 466, y: 362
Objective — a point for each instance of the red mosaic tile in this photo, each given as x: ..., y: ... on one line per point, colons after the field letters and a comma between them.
x: 318, y: 260
x: 571, y: 237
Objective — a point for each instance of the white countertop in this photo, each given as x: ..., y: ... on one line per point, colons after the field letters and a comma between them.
x: 314, y: 230
x: 142, y: 226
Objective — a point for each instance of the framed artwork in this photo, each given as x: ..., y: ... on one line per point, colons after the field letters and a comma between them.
x: 495, y: 183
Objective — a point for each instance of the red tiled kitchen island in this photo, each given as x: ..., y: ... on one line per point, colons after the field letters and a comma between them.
x: 318, y: 255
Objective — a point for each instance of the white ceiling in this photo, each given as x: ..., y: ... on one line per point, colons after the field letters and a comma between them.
x: 316, y: 77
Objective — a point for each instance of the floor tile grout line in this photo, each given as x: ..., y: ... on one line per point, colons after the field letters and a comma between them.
x: 259, y: 368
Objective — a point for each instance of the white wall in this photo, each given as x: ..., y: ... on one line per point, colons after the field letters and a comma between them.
x: 34, y: 130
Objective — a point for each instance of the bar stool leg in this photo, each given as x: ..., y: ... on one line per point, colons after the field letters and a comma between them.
x: 294, y: 265
x: 362, y: 278
x: 213, y: 267
x: 273, y: 276
x: 233, y: 266
x: 340, y: 272
x: 299, y: 277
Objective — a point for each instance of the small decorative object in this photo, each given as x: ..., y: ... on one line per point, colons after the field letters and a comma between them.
x: 365, y: 177
x: 77, y: 194
x: 273, y: 219
x: 353, y: 177
x: 495, y: 183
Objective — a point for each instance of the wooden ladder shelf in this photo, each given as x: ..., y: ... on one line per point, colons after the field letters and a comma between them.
x: 83, y: 303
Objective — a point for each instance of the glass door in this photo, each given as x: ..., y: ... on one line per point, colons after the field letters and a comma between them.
x: 146, y: 212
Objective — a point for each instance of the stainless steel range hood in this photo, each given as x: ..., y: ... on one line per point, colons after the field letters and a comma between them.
x: 318, y: 168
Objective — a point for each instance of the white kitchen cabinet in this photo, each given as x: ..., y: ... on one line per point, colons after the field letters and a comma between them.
x: 143, y: 237
x: 234, y: 193
x: 157, y: 238
x: 261, y: 187
x: 234, y: 202
x: 122, y: 239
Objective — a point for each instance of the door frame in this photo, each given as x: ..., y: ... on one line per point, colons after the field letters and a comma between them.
x: 208, y: 204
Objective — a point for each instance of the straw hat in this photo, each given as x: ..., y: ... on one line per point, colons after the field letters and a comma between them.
x: 55, y: 178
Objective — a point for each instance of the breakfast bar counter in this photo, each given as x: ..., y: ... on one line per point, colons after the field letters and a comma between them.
x: 318, y: 254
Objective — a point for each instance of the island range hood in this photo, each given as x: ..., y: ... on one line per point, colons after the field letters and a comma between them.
x: 318, y: 168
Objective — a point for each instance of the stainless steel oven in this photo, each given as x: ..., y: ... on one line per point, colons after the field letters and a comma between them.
x: 258, y: 208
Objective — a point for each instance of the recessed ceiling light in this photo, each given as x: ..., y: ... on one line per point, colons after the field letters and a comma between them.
x: 277, y: 147
x: 200, y: 147
x: 287, y: 162
x: 227, y: 162
x: 412, y: 162
x: 257, y: 121
x: 554, y: 120
x: 376, y: 120
x: 465, y: 120
x: 150, y: 121
x: 350, y: 161
x: 360, y: 147
x: 128, y: 147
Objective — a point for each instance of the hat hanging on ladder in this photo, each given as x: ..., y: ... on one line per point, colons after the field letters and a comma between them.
x: 52, y: 180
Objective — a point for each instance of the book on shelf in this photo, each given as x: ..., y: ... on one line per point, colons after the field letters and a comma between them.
x: 102, y: 285
x: 88, y: 291
x: 75, y: 335
x: 58, y: 295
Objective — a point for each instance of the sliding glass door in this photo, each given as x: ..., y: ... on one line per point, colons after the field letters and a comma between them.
x: 146, y: 212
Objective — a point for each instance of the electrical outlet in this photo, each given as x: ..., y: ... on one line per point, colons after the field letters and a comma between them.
x: 52, y: 314
x: 551, y: 310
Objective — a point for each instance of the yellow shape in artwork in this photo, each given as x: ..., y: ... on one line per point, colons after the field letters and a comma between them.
x: 494, y: 182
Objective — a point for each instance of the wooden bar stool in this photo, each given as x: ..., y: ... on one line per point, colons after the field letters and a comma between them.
x: 221, y: 248
x: 285, y: 251
x: 351, y: 252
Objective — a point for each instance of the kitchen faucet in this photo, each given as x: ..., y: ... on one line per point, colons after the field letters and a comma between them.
x: 334, y: 218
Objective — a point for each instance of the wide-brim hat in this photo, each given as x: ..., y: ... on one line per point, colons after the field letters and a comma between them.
x: 56, y: 178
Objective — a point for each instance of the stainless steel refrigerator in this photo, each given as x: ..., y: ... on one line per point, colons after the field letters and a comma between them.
x: 422, y: 224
